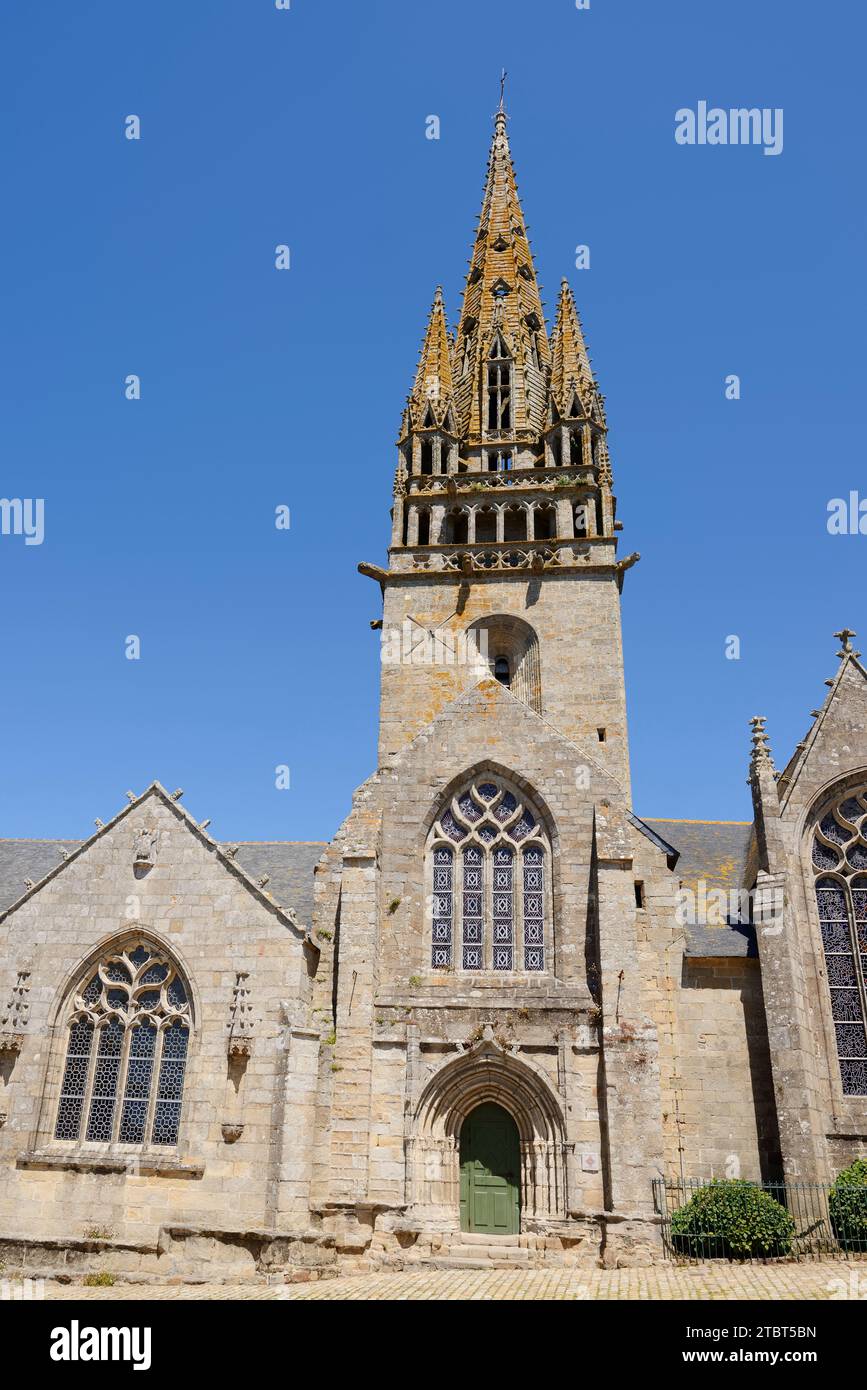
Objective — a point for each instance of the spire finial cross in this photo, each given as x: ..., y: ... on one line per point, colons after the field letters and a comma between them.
x: 845, y: 634
x: 503, y: 76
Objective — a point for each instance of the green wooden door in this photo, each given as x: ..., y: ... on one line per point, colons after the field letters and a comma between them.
x: 490, y: 1172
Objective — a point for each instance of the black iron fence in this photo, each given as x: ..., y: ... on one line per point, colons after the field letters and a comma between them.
x: 716, y: 1219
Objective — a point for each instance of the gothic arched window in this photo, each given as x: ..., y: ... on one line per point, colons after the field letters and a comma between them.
x: 129, y: 1029
x: 839, y: 861
x: 499, y: 386
x: 457, y: 525
x: 490, y: 866
x: 545, y: 523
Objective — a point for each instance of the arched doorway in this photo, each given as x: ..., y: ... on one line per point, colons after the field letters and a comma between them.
x: 490, y: 1172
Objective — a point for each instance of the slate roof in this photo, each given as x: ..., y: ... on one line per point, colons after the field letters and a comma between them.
x: 716, y: 852
x: 713, y: 850
x: 290, y: 864
x: 721, y: 942
x: 33, y: 859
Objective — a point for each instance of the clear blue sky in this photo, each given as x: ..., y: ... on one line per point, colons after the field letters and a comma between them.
x: 259, y: 387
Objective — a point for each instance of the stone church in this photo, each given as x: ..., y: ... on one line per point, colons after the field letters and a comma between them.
x: 477, y: 1024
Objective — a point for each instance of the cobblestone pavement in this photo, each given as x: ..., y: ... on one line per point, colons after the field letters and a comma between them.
x: 820, y: 1280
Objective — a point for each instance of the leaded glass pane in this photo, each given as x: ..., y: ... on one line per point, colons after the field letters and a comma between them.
x: 441, y: 942
x: 177, y: 995
x: 502, y: 909
x: 841, y: 971
x: 835, y: 936
x: 74, y: 1084
x: 851, y: 1039
x: 91, y: 993
x: 534, y: 958
x: 831, y: 900
x: 105, y: 1079
x: 854, y: 1076
x: 834, y: 831
x: 824, y: 857
x: 845, y: 1005
x: 471, y: 915
x: 138, y: 1084
x: 451, y: 827
x: 167, y: 1112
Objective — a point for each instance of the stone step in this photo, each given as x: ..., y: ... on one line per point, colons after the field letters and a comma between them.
x: 481, y: 1238
x: 474, y: 1262
x: 513, y: 1254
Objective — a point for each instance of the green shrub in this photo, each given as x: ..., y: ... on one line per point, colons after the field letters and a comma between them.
x: 847, y: 1203
x: 731, y: 1219
x: 98, y: 1281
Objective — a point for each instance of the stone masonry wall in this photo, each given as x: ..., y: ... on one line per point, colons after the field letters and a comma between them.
x: 576, y: 619
x: 403, y: 1029
x: 718, y: 1109
x: 213, y: 923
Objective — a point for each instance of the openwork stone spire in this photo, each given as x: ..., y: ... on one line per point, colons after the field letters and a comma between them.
x: 501, y: 299
x: 431, y: 398
x: 495, y: 404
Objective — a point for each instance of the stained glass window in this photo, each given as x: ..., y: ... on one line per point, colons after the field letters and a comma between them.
x: 533, y: 865
x: 74, y: 1082
x: 502, y: 908
x: 126, y: 1055
x: 471, y: 904
x: 443, y: 894
x: 839, y: 852
x: 498, y: 898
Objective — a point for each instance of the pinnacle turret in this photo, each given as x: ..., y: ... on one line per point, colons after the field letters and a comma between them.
x: 431, y: 399
x: 761, y: 752
x: 573, y: 388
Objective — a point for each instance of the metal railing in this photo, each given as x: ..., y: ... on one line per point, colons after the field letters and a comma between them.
x: 815, y: 1220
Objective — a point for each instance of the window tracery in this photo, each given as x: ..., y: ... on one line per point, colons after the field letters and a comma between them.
x: 490, y: 865
x: 839, y: 858
x: 126, y: 1054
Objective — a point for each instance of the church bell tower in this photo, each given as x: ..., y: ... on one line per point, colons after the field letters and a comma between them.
x: 503, y: 556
